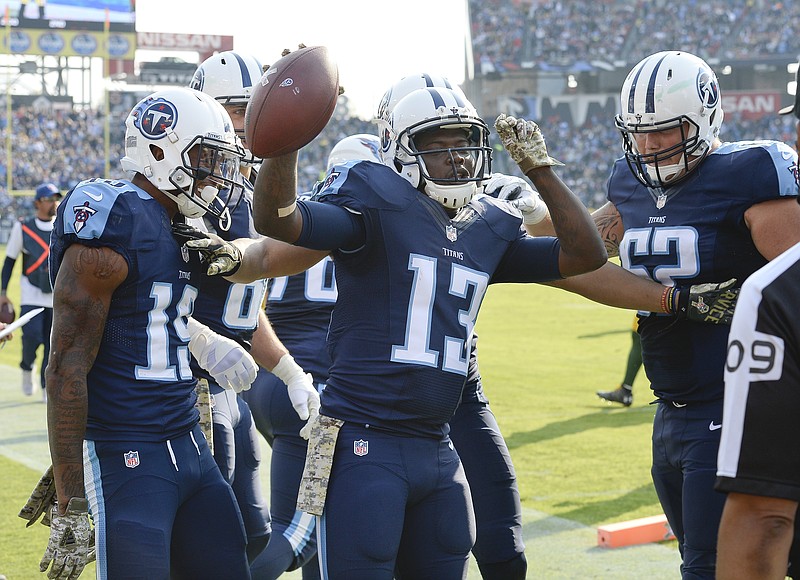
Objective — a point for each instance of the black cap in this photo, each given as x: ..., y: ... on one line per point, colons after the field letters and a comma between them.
x: 795, y: 107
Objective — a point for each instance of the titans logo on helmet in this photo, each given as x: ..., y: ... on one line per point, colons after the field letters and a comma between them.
x: 154, y: 116
x: 707, y: 89
x: 198, y: 80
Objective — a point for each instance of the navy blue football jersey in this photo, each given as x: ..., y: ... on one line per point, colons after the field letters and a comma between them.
x: 230, y: 310
x: 401, y: 330
x: 140, y: 385
x: 693, y: 233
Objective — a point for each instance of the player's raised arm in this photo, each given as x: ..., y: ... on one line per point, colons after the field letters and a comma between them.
x: 581, y: 248
x: 82, y: 294
x: 274, y: 199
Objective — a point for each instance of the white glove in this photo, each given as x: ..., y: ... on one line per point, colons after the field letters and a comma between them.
x: 524, y: 142
x: 70, y: 541
x: 518, y: 193
x: 300, y: 385
x: 226, y: 360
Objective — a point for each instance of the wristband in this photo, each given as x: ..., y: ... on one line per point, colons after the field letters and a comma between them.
x: 665, y: 299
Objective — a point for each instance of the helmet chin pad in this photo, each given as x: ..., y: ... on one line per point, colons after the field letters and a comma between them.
x: 451, y: 196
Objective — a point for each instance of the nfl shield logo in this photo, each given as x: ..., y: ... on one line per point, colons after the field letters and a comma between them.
x: 452, y: 233
x: 360, y: 447
x: 132, y: 459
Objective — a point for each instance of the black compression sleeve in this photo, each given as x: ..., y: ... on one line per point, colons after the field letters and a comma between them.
x: 5, y: 277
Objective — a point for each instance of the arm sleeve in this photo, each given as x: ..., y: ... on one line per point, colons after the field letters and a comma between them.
x: 330, y: 227
x: 530, y: 260
x: 8, y: 267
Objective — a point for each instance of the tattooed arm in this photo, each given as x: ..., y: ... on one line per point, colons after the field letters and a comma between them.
x: 82, y: 294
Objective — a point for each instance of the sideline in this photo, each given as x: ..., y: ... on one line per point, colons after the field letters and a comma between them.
x: 556, y: 548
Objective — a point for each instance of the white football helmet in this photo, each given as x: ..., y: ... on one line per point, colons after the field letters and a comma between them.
x: 355, y: 147
x: 438, y: 108
x: 669, y: 90
x: 400, y: 89
x: 229, y: 77
x: 183, y: 142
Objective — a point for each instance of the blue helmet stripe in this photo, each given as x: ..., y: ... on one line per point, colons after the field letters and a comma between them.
x: 428, y: 80
x: 650, y: 103
x: 438, y: 101
x: 246, y: 80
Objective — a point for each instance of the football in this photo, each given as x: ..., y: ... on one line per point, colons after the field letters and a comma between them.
x: 292, y: 103
x: 7, y: 314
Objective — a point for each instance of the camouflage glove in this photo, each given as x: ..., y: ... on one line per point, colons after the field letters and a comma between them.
x: 41, y: 501
x: 68, y: 549
x: 524, y: 142
x: 220, y: 258
x: 710, y: 303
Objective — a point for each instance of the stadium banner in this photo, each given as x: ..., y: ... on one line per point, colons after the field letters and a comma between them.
x: 29, y: 41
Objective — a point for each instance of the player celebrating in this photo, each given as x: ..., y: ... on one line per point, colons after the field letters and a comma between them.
x: 401, y: 328
x: 299, y: 308
x: 234, y: 311
x: 684, y: 208
x: 122, y: 424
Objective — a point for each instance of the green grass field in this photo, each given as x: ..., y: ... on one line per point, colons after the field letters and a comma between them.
x: 543, y: 353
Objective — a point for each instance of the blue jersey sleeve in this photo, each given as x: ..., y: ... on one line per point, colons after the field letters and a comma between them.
x: 93, y: 214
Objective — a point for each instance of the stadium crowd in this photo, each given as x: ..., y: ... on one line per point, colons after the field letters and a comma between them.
x: 510, y: 34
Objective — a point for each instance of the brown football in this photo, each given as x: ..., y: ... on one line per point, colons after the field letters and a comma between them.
x: 292, y: 103
x: 7, y: 313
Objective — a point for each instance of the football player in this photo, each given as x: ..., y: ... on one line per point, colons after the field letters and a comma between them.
x: 415, y: 249
x: 757, y: 464
x: 234, y: 311
x: 685, y: 208
x: 299, y: 308
x: 122, y: 424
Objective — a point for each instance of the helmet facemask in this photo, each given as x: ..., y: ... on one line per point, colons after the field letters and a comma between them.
x: 670, y: 90
x: 467, y: 163
x: 659, y: 168
x: 419, y: 115
x: 208, y: 167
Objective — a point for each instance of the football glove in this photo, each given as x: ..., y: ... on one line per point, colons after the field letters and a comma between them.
x: 524, y: 142
x: 69, y: 547
x: 710, y: 303
x: 518, y: 193
x: 41, y: 501
x: 226, y: 360
x: 299, y: 385
x: 220, y: 258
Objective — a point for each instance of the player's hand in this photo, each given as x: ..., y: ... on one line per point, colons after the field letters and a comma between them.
x: 524, y: 142
x: 41, y: 501
x: 68, y: 549
x: 226, y: 360
x: 299, y: 385
x: 305, y: 432
x: 220, y: 258
x: 710, y: 303
x: 518, y: 193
